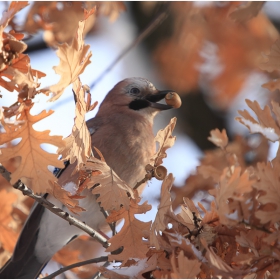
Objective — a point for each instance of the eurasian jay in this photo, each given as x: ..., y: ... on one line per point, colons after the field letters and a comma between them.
x: 122, y: 131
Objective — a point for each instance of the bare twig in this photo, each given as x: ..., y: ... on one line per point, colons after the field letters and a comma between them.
x: 98, y: 274
x: 262, y: 228
x: 78, y: 264
x: 63, y: 269
x: 158, y: 172
x: 144, y: 180
x: 148, y: 176
x: 64, y: 215
x: 156, y: 22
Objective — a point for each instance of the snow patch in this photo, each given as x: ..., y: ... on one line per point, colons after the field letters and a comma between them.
x: 70, y: 187
x: 268, y: 132
x: 133, y: 270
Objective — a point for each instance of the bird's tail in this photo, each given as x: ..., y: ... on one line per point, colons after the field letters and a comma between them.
x: 24, y: 263
x: 26, y: 268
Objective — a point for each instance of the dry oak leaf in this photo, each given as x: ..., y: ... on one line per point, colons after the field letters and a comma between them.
x: 272, y: 85
x: 218, y: 138
x: 8, y: 85
x: 188, y: 214
x: 63, y: 23
x: 266, y: 125
x: 11, y: 43
x: 73, y: 61
x: 13, y: 110
x: 22, y: 65
x: 243, y: 259
x: 26, y: 85
x: 8, y: 236
x: 177, y: 240
x: 272, y: 238
x: 268, y: 183
x: 163, y: 263
x: 273, y: 59
x: 213, y: 163
x: 166, y: 140
x: 49, y: 16
x: 133, y: 271
x: 33, y: 168
x: 219, y: 267
x: 18, y: 36
x: 187, y: 269
x: 65, y: 197
x: 210, y: 217
x: 132, y: 233
x: 249, y: 240
x: 10, y: 51
x: 9, y: 128
x: 230, y: 192
x: 112, y: 190
x: 78, y: 143
x: 60, y: 20
x: 14, y: 7
x: 247, y: 11
x: 191, y: 218
x: 164, y: 211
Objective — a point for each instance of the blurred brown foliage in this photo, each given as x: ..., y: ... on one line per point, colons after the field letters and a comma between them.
x: 239, y: 47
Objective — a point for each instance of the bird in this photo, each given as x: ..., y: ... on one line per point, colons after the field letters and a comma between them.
x: 123, y: 131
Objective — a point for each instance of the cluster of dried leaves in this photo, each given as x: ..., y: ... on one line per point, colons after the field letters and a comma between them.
x: 235, y: 47
x: 234, y: 235
x: 59, y: 20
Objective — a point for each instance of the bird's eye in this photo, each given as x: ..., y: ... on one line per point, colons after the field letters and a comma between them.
x: 135, y: 90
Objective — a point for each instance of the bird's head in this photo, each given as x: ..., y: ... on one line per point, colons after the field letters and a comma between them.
x: 136, y: 95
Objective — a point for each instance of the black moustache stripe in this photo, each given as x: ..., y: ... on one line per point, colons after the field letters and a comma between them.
x: 139, y: 104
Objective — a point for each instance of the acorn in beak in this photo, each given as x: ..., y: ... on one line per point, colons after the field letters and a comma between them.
x: 151, y: 100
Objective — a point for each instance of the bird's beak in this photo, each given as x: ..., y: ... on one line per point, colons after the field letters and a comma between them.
x: 153, y: 98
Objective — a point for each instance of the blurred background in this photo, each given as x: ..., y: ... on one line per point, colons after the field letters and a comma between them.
x: 205, y: 51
